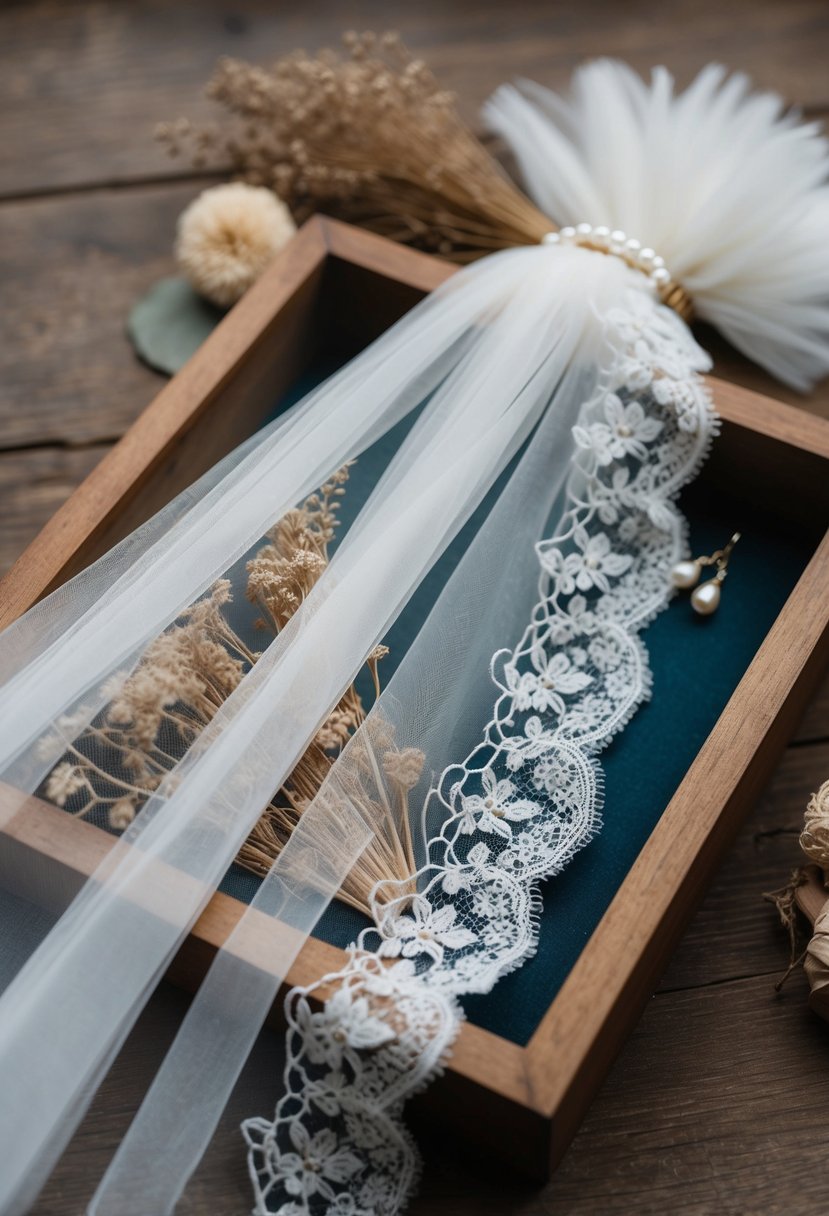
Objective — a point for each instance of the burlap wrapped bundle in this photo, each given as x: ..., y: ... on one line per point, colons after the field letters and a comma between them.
x: 813, y: 899
x: 814, y: 839
x: 816, y: 962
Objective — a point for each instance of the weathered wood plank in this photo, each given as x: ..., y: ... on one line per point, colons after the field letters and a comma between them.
x: 736, y: 933
x: 815, y: 724
x: 71, y: 270
x: 79, y: 106
x: 716, y: 1105
x: 33, y: 484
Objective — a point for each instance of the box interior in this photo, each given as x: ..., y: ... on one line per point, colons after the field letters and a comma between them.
x: 696, y: 663
x: 773, y: 493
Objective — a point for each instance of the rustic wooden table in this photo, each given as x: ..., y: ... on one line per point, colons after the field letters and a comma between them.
x: 718, y: 1101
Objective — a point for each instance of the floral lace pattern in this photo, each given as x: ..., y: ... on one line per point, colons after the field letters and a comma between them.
x: 516, y: 810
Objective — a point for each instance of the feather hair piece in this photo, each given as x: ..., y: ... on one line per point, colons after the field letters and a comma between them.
x: 727, y: 185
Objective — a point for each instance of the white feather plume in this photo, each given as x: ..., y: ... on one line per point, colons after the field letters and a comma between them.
x: 729, y: 188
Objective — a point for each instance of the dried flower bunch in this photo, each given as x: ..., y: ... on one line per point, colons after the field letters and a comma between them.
x: 378, y: 786
x: 368, y: 136
x: 156, y: 712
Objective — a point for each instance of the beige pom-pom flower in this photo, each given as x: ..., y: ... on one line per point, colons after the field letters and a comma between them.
x: 227, y: 236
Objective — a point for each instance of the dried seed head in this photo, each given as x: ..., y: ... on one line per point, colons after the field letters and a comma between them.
x: 370, y: 136
x: 156, y: 711
x: 227, y: 236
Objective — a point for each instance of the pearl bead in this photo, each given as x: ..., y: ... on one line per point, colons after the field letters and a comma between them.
x: 686, y: 574
x: 705, y: 599
x: 619, y: 244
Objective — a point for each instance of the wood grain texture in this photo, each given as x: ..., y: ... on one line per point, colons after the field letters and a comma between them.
x: 716, y: 1105
x: 814, y: 725
x: 71, y: 270
x: 733, y: 913
x: 79, y: 106
x: 33, y: 484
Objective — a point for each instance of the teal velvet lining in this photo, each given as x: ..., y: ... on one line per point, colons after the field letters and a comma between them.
x: 696, y: 664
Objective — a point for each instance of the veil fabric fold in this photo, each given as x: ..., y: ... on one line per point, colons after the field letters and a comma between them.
x: 58, y: 1030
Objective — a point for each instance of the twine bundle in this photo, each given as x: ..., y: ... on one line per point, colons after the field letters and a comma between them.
x: 814, y: 839
x: 370, y: 137
x: 816, y: 964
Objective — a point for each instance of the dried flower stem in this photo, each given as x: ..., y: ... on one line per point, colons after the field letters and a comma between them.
x: 188, y: 673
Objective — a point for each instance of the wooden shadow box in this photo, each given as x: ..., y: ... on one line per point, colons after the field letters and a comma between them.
x: 328, y: 293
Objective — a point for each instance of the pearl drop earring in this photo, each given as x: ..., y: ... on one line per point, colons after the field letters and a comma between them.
x: 705, y: 598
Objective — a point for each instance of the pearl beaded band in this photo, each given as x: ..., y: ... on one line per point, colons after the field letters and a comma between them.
x: 633, y: 253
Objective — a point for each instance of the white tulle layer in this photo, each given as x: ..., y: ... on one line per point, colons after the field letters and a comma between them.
x: 493, y: 347
x: 724, y: 184
x: 527, y: 795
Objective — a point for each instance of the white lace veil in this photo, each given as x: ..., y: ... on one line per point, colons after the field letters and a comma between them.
x: 505, y: 366
x: 511, y: 350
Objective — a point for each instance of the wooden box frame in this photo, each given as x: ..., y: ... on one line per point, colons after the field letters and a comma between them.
x: 338, y: 286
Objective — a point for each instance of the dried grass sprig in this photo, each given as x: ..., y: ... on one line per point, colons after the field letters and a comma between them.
x: 155, y: 713
x: 369, y: 136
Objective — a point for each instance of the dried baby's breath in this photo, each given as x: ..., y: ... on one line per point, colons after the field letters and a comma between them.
x: 285, y: 569
x: 369, y: 136
x: 157, y: 711
x: 404, y: 767
x: 121, y: 814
